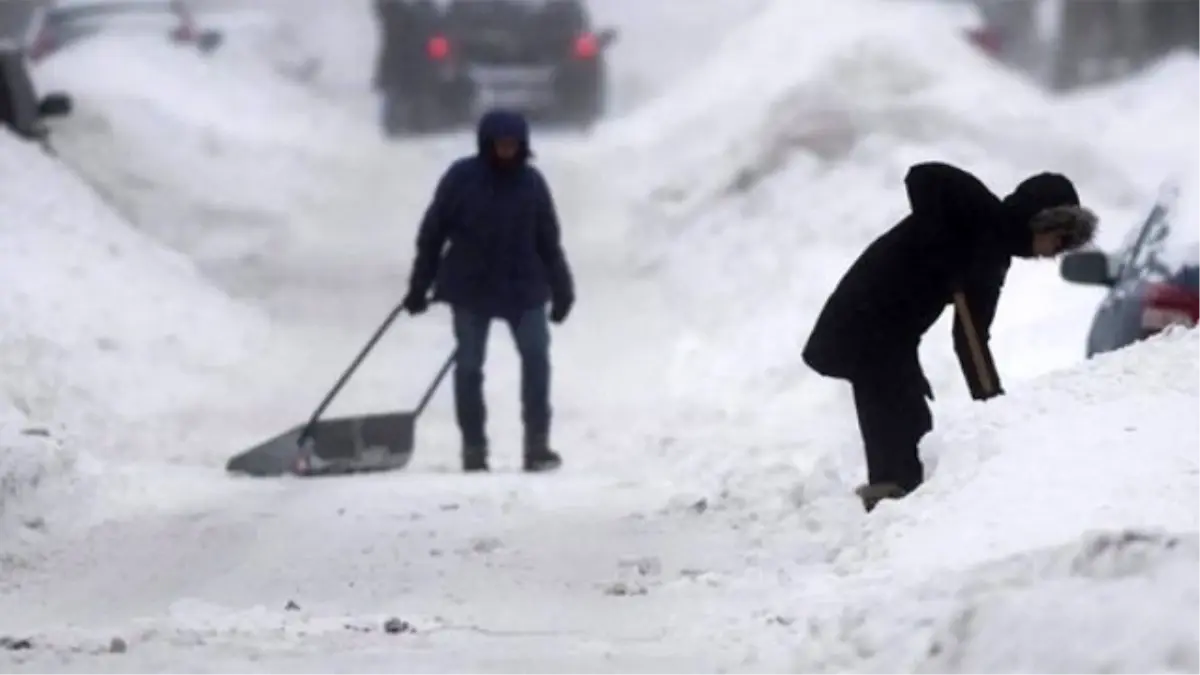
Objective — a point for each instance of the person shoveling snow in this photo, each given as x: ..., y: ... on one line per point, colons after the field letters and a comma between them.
x: 490, y: 247
x: 955, y: 247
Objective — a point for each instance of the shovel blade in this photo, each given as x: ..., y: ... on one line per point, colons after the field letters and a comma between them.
x: 359, y: 444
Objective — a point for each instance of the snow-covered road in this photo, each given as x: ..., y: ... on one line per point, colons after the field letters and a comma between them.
x: 218, y: 242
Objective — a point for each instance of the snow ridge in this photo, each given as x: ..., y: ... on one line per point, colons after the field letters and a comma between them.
x: 102, y: 328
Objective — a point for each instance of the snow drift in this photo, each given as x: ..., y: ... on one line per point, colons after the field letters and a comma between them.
x: 101, y: 329
x: 766, y: 181
x: 1142, y: 117
x: 224, y: 159
x: 1056, y: 532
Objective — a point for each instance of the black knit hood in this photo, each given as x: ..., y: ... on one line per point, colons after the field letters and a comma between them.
x: 1046, y: 202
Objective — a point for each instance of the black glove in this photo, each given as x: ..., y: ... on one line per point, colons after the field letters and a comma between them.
x: 560, y: 308
x: 416, y: 302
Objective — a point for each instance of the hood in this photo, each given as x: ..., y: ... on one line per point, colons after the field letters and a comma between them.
x: 1046, y: 202
x: 503, y: 124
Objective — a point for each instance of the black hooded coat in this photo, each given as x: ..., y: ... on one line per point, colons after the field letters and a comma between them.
x: 959, y: 237
x: 490, y: 240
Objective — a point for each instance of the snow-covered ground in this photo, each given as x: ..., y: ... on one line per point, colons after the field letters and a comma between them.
x: 219, y: 240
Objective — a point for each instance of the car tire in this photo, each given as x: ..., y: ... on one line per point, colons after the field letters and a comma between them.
x: 586, y: 110
x: 394, y: 115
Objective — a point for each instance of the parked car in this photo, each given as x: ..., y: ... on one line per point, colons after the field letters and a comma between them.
x: 441, y: 65
x: 21, y: 109
x: 61, y: 23
x: 1077, y: 43
x: 1152, y: 279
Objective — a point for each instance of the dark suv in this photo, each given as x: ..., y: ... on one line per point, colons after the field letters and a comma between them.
x: 442, y: 66
x: 1152, y: 280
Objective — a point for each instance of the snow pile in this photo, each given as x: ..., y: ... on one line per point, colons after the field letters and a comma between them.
x: 1116, y: 601
x: 658, y: 42
x: 1056, y: 531
x: 256, y: 35
x: 219, y: 157
x: 219, y: 95
x: 30, y: 459
x: 103, y: 330
x: 768, y: 180
x: 1140, y: 117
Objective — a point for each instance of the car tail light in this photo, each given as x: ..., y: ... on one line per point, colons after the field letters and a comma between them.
x: 986, y: 39
x: 438, y: 48
x: 1168, y: 305
x: 586, y: 46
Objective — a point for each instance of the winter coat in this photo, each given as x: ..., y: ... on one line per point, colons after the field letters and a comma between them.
x: 958, y: 237
x: 490, y: 240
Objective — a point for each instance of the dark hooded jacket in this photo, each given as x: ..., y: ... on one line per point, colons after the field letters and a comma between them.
x: 490, y: 240
x: 958, y: 237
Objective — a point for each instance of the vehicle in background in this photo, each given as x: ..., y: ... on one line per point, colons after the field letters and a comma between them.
x: 62, y: 23
x: 1152, y: 279
x: 1075, y: 43
x: 442, y: 66
x: 21, y: 110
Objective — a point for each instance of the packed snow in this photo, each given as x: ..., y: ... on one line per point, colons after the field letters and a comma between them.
x: 105, y: 330
x: 215, y: 240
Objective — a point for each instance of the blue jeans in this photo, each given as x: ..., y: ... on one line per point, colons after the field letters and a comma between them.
x: 531, y: 332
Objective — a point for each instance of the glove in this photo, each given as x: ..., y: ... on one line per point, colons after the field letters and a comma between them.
x: 415, y: 302
x: 560, y: 308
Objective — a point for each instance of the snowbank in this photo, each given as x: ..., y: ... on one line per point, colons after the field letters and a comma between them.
x: 984, y: 567
x: 101, y: 330
x: 659, y: 42
x: 30, y: 459
x: 1141, y: 116
x: 220, y: 95
x: 764, y: 181
x: 224, y: 158
x: 1122, y: 601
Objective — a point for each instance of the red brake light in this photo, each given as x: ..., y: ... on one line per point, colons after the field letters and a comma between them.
x: 586, y: 46
x: 1168, y: 305
x: 986, y: 39
x: 438, y: 47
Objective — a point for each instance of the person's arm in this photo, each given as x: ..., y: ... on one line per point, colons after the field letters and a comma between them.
x: 549, y: 243
x: 433, y: 233
x: 975, y: 303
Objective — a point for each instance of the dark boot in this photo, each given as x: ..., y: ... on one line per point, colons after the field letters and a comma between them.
x: 475, y: 458
x: 872, y: 494
x: 538, y: 455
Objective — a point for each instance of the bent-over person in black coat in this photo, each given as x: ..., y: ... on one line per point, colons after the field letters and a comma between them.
x: 954, y: 248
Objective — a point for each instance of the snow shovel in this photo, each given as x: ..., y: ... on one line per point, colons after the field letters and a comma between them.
x: 974, y: 344
x: 343, y: 445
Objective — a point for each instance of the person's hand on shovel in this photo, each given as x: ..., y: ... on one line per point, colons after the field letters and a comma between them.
x: 416, y: 302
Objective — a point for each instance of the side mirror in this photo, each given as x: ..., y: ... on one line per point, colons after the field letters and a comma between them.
x: 56, y: 104
x: 1090, y: 268
x: 606, y: 36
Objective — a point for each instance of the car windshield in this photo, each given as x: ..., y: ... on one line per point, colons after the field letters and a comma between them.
x: 1170, y: 239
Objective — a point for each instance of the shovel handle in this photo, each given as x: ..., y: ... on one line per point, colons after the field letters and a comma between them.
x: 433, y: 386
x: 306, y: 434
x: 973, y: 343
